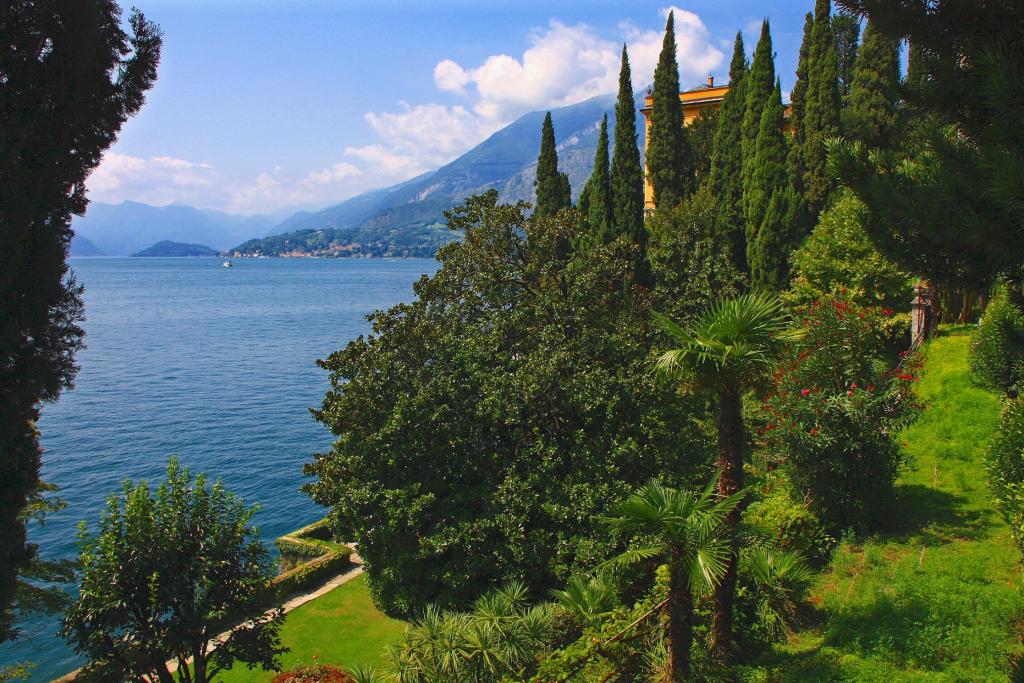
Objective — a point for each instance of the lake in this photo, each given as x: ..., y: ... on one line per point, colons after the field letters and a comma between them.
x: 215, y: 365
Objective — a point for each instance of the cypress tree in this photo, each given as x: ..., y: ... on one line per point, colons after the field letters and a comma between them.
x: 627, y: 177
x: 775, y: 243
x: 798, y: 102
x: 846, y: 30
x: 669, y: 157
x: 565, y: 191
x: 549, y: 184
x: 599, y: 204
x: 768, y: 169
x: 760, y: 83
x: 871, y: 116
x: 821, y: 113
x: 727, y: 158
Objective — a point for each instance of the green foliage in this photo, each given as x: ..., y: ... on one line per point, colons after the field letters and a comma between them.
x: 832, y: 416
x: 760, y: 84
x: 690, y: 533
x: 598, y: 209
x: 965, y: 162
x: 797, y: 105
x: 846, y: 31
x: 500, y: 636
x: 71, y: 76
x: 311, y: 573
x: 552, y: 187
x: 589, y: 599
x: 481, y: 426
x: 627, y: 178
x: 727, y: 158
x: 165, y: 573
x: 313, y: 540
x: 872, y: 116
x: 790, y: 523
x: 773, y: 585
x: 765, y: 176
x: 670, y: 163
x: 1005, y: 466
x: 690, y: 258
x: 776, y: 239
x: 413, y: 239
x: 701, y: 132
x: 837, y: 255
x: 997, y: 346
x: 820, y: 119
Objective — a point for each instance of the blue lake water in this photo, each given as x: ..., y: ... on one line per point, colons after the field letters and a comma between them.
x: 215, y: 365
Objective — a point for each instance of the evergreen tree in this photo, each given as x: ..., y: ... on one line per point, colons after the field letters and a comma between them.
x: 701, y: 132
x: 551, y: 188
x: 767, y: 169
x: 821, y: 111
x: 846, y: 30
x: 669, y: 156
x: 775, y: 243
x: 71, y: 74
x: 798, y: 102
x: 627, y: 177
x: 760, y: 83
x: 565, y: 191
x: 599, y: 201
x: 727, y: 158
x: 871, y: 116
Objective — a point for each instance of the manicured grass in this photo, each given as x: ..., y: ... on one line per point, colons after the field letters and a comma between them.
x: 937, y: 595
x: 342, y: 627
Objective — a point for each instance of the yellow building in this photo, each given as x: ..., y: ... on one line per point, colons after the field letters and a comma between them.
x: 707, y: 97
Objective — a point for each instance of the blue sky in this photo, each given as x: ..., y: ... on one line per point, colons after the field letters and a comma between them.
x: 262, y: 105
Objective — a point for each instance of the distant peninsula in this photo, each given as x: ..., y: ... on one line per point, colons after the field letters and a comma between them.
x: 375, y: 241
x: 169, y: 248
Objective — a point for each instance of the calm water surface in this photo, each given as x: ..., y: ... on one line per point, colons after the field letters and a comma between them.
x: 212, y: 364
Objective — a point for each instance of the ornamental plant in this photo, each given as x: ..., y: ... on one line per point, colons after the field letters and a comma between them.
x: 834, y: 411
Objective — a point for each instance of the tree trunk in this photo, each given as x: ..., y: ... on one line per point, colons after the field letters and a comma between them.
x: 680, y: 621
x: 730, y: 460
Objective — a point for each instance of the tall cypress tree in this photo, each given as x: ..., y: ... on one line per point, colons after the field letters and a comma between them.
x: 550, y: 186
x: 821, y: 113
x: 599, y: 191
x: 727, y: 158
x: 871, y: 115
x: 777, y: 239
x: 669, y: 157
x: 760, y: 86
x: 767, y: 169
x: 627, y: 177
x: 798, y: 103
x: 846, y: 31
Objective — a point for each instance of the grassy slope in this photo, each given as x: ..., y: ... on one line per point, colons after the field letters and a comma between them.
x: 937, y: 596
x: 343, y: 627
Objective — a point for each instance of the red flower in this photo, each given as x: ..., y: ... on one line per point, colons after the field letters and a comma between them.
x: 814, y: 431
x: 886, y: 311
x: 805, y: 392
x: 850, y: 392
x: 853, y: 386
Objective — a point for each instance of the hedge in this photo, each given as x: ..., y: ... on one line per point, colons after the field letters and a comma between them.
x: 310, y: 573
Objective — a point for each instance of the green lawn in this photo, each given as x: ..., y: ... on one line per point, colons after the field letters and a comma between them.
x: 936, y: 597
x: 343, y: 627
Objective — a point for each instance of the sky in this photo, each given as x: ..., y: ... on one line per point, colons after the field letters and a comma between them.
x: 267, y: 106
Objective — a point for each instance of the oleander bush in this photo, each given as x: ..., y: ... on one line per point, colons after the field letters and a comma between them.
x: 997, y: 347
x: 832, y: 417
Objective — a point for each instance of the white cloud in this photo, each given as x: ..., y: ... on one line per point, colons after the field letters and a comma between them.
x: 450, y: 77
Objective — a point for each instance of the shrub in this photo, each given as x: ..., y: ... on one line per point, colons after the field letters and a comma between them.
x: 791, y: 524
x: 833, y: 414
x: 310, y: 573
x: 997, y: 348
x: 1005, y: 465
x: 315, y: 673
x: 839, y: 254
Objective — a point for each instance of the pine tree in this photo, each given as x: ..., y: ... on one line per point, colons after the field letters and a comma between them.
x: 760, y: 83
x: 821, y: 112
x: 627, y: 177
x: 727, y: 158
x: 775, y: 243
x: 846, y: 31
x: 798, y: 102
x: 768, y: 169
x: 871, y: 115
x: 669, y: 156
x: 599, y: 204
x: 550, y: 189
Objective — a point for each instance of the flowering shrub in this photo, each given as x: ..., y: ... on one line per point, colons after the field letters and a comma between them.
x: 834, y: 410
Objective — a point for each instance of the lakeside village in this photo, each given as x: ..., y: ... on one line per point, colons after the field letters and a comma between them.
x: 748, y: 411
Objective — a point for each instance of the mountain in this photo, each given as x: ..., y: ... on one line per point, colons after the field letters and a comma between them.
x: 122, y: 229
x: 413, y: 211
x: 83, y: 247
x: 168, y: 248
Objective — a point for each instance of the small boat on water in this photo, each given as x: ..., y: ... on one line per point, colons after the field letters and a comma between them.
x: 227, y: 264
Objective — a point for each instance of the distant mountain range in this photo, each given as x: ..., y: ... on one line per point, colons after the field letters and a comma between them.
x: 168, y: 248
x: 406, y: 219
x: 80, y: 246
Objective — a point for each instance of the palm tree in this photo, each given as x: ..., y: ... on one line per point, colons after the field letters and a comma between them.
x: 730, y: 347
x: 778, y: 580
x: 688, y: 532
x: 590, y: 599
